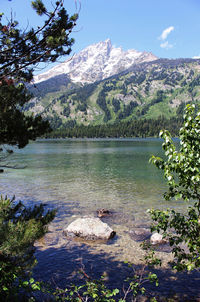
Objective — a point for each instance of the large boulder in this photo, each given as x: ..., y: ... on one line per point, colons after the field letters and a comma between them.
x: 89, y: 229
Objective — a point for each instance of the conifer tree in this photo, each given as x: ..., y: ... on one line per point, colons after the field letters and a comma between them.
x: 20, y: 52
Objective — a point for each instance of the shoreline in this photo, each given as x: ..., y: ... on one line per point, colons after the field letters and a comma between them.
x: 101, y: 259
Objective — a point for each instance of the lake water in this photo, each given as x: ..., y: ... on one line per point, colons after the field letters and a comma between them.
x: 78, y: 177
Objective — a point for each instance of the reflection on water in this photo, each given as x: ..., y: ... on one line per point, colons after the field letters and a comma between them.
x: 79, y: 176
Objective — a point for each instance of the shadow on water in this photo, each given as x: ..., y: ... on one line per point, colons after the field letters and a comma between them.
x: 61, y: 265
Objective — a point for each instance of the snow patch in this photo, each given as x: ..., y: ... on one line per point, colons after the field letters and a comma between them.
x: 96, y: 62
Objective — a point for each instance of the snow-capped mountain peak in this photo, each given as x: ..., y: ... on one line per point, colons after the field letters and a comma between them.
x: 96, y: 62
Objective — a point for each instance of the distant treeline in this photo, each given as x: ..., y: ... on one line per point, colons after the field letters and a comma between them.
x: 133, y: 128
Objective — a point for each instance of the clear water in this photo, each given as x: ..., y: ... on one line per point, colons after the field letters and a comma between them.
x: 78, y: 177
x: 84, y: 175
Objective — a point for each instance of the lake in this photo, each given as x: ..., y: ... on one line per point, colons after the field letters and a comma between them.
x: 80, y: 176
x: 77, y: 177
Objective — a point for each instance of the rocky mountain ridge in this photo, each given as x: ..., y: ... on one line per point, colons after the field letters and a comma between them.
x: 148, y: 90
x: 96, y: 62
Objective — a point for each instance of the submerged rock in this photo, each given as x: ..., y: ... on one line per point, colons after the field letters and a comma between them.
x: 140, y: 234
x: 103, y: 213
x: 89, y: 229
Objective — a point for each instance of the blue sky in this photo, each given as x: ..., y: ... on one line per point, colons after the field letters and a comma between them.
x: 167, y: 28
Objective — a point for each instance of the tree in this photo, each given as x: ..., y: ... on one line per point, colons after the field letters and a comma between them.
x: 20, y: 52
x: 20, y: 227
x: 182, y: 172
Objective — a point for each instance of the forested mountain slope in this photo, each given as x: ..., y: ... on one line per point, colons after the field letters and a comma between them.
x: 149, y: 90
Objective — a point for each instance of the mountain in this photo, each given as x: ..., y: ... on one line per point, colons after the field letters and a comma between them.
x: 147, y: 90
x: 95, y: 63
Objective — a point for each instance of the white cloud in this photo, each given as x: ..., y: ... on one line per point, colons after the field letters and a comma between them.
x: 166, y: 32
x: 166, y: 45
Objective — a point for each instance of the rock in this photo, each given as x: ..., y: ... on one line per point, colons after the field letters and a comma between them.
x: 157, y: 238
x: 1, y: 170
x: 103, y: 213
x: 140, y: 234
x: 89, y: 229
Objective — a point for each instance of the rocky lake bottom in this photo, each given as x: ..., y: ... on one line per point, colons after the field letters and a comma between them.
x: 78, y: 177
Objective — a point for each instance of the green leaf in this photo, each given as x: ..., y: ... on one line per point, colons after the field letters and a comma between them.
x: 36, y: 286
x: 5, y: 288
x: 31, y: 280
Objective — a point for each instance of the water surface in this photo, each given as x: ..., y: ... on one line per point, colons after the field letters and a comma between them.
x: 77, y: 177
